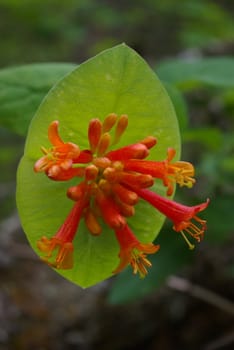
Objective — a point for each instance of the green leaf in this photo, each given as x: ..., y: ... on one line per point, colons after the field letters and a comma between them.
x: 187, y: 74
x: 179, y: 104
x: 23, y: 88
x: 117, y: 80
x: 208, y: 136
x: 219, y: 216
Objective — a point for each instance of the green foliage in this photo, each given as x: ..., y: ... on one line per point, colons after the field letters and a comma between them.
x: 206, y: 23
x: 11, y: 148
x: 117, y: 80
x: 188, y: 74
x: 201, y: 90
x: 37, y: 29
x: 23, y: 88
x: 220, y: 219
x: 209, y: 137
x: 79, y: 29
x: 179, y: 104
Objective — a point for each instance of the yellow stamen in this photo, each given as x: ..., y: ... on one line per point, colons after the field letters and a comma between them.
x: 140, y: 263
x: 190, y: 245
x: 183, y: 173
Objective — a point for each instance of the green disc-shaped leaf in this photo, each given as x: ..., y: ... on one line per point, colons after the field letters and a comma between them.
x: 117, y: 80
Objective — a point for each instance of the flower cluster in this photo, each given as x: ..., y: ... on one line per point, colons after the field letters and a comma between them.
x: 110, y: 182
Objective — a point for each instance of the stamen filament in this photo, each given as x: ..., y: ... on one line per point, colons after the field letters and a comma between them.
x: 190, y: 245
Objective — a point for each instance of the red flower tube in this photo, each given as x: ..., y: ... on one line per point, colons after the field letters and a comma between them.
x: 62, y: 240
x: 180, y: 214
x: 133, y: 252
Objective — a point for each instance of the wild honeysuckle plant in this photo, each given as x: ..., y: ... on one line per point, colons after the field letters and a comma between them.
x: 113, y: 181
x: 100, y: 168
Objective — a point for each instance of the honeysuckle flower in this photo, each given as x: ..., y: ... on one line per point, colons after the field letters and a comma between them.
x: 60, y: 156
x: 180, y: 214
x: 133, y: 252
x: 62, y: 240
x: 110, y: 183
x: 178, y: 172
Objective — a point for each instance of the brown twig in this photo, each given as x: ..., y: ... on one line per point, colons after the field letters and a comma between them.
x: 183, y: 285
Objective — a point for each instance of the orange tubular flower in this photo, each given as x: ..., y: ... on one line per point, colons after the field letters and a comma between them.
x: 62, y: 240
x: 112, y: 182
x: 109, y: 210
x: 170, y: 173
x: 59, y: 157
x: 133, y: 252
x: 180, y: 214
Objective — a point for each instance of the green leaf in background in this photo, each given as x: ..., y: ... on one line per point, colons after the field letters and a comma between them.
x: 219, y: 215
x: 179, y: 104
x: 187, y: 74
x: 117, y: 80
x: 23, y: 88
x: 208, y: 136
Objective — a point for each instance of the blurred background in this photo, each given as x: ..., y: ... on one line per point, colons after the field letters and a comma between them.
x: 187, y: 300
